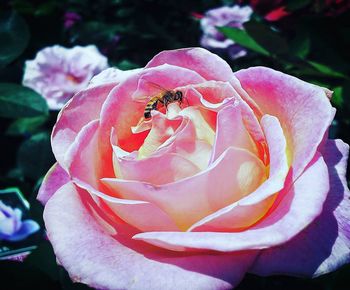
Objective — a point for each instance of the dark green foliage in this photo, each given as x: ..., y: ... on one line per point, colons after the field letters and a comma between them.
x: 243, y: 38
x: 19, y: 102
x: 35, y: 156
x: 14, y: 37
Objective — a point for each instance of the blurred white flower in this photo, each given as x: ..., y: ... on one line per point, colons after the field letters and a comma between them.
x: 57, y: 73
x: 224, y: 16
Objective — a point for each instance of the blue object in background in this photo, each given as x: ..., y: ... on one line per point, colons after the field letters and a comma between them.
x: 12, y: 228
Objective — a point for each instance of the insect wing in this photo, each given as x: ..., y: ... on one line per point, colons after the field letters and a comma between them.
x: 147, y: 90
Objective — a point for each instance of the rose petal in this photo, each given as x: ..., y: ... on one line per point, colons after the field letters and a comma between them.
x: 160, y: 169
x: 111, y: 75
x: 162, y: 129
x: 297, y: 210
x: 205, y: 192
x: 324, y: 245
x: 142, y: 215
x: 155, y: 155
x: 126, y: 111
x: 203, y: 130
x: 186, y: 144
x: 93, y: 257
x: 210, y: 94
x: 303, y: 110
x: 235, y: 83
x: 71, y: 119
x: 82, y: 159
x: 85, y: 168
x: 53, y: 180
x: 231, y: 131
x: 210, y: 97
x: 208, y: 65
x: 254, y: 206
x: 214, y: 95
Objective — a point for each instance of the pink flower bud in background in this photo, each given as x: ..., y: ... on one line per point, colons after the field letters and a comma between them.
x: 224, y: 16
x: 57, y: 73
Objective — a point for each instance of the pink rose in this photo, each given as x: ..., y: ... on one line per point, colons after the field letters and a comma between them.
x: 57, y: 73
x: 238, y: 178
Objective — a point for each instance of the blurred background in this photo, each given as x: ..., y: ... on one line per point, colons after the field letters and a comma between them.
x: 307, y: 39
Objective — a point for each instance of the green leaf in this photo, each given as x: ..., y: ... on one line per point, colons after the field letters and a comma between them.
x: 19, y: 102
x: 26, y: 125
x: 98, y: 31
x: 126, y: 65
x: 242, y: 38
x: 35, y: 156
x: 300, y: 46
x: 266, y: 37
x: 326, y: 70
x: 14, y: 37
x: 337, y: 98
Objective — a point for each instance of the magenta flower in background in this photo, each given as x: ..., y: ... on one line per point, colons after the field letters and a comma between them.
x: 12, y: 228
x: 70, y: 18
x: 57, y: 73
x: 224, y: 16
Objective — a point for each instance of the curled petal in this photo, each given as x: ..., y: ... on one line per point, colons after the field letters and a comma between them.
x: 105, y: 262
x: 126, y: 103
x: 160, y: 169
x: 214, y: 95
x: 157, y: 162
x: 111, y: 75
x: 53, y: 180
x: 324, y: 245
x: 85, y: 168
x: 142, y: 215
x: 210, y: 94
x: 303, y: 109
x: 70, y: 120
x: 206, y: 191
x: 207, y: 64
x: 254, y: 206
x: 301, y: 204
x: 162, y: 129
x: 82, y: 159
x: 185, y: 143
x: 231, y: 131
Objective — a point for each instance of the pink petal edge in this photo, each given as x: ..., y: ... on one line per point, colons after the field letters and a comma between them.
x: 303, y: 110
x: 93, y: 257
x: 53, y: 180
x: 207, y: 64
x: 324, y: 245
x: 297, y: 210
